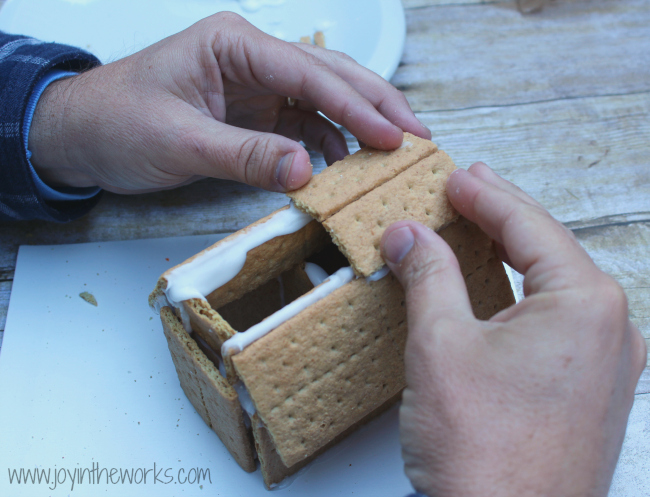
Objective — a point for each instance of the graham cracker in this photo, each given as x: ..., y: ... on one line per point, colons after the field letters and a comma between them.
x: 207, y: 322
x: 260, y: 303
x: 323, y: 370
x: 319, y: 39
x: 210, y: 394
x: 487, y: 283
x: 269, y: 260
x: 417, y: 194
x: 320, y: 372
x: 263, y: 263
x: 349, y: 179
x: 274, y: 470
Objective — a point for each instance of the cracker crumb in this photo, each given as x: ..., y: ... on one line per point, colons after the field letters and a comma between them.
x: 89, y: 297
x: 319, y: 39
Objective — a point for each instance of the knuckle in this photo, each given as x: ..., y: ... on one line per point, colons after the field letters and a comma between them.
x: 223, y: 27
x: 246, y: 159
x: 612, y: 296
x: 254, y: 153
x: 425, y: 266
x: 227, y: 18
x: 194, y: 145
x: 342, y: 56
x: 317, y: 64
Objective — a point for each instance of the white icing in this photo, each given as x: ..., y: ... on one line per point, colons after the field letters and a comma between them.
x: 222, y: 369
x: 379, y: 274
x: 315, y: 273
x: 245, y: 398
x: 289, y: 479
x: 405, y: 144
x: 516, y: 282
x: 159, y: 302
x: 214, y: 268
x: 240, y: 341
x: 185, y: 317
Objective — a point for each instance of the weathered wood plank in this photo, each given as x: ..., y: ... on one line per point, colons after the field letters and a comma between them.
x: 557, y: 151
x: 460, y: 56
x: 623, y: 251
x: 584, y: 158
x: 418, y: 4
x: 525, y: 4
x: 644, y: 383
x: 632, y: 475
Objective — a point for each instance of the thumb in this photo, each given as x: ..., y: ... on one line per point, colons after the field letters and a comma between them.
x: 429, y: 272
x: 266, y: 160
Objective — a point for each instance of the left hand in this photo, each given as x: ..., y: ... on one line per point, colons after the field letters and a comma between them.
x: 210, y: 102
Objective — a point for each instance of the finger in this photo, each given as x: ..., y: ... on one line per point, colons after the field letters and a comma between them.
x: 481, y: 170
x: 267, y: 160
x: 429, y: 272
x: 248, y: 56
x: 387, y: 99
x: 318, y: 133
x: 537, y: 245
x: 502, y: 254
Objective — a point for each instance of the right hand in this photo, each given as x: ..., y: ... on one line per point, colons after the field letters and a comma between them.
x: 534, y: 401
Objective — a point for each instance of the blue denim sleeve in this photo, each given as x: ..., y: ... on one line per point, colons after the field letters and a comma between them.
x: 24, y: 62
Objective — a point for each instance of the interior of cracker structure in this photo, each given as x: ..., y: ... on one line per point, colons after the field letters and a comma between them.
x: 337, y: 362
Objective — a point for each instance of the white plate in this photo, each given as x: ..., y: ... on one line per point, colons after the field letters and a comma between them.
x: 83, y: 385
x: 370, y: 31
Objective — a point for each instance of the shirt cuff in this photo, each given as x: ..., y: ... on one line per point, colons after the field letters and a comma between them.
x: 49, y: 193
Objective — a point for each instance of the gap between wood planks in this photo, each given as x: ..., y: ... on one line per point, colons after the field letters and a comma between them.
x: 607, y: 221
x: 537, y: 102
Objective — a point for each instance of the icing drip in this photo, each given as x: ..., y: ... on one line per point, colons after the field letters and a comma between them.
x: 239, y: 341
x: 315, y: 273
x: 244, y: 398
x: 214, y: 268
x: 160, y: 302
x: 379, y: 274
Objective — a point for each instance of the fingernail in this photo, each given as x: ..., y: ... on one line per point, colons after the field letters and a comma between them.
x: 398, y: 244
x: 284, y: 169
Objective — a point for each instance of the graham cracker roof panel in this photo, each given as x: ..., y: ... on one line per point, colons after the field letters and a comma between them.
x: 418, y: 194
x: 357, y: 174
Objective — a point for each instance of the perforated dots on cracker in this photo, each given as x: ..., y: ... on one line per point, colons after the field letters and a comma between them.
x: 416, y: 194
x: 347, y: 180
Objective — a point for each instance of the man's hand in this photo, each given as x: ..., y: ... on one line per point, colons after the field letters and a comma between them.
x: 210, y: 101
x: 534, y: 401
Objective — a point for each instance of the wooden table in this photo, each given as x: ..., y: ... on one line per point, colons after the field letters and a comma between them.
x: 557, y: 102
